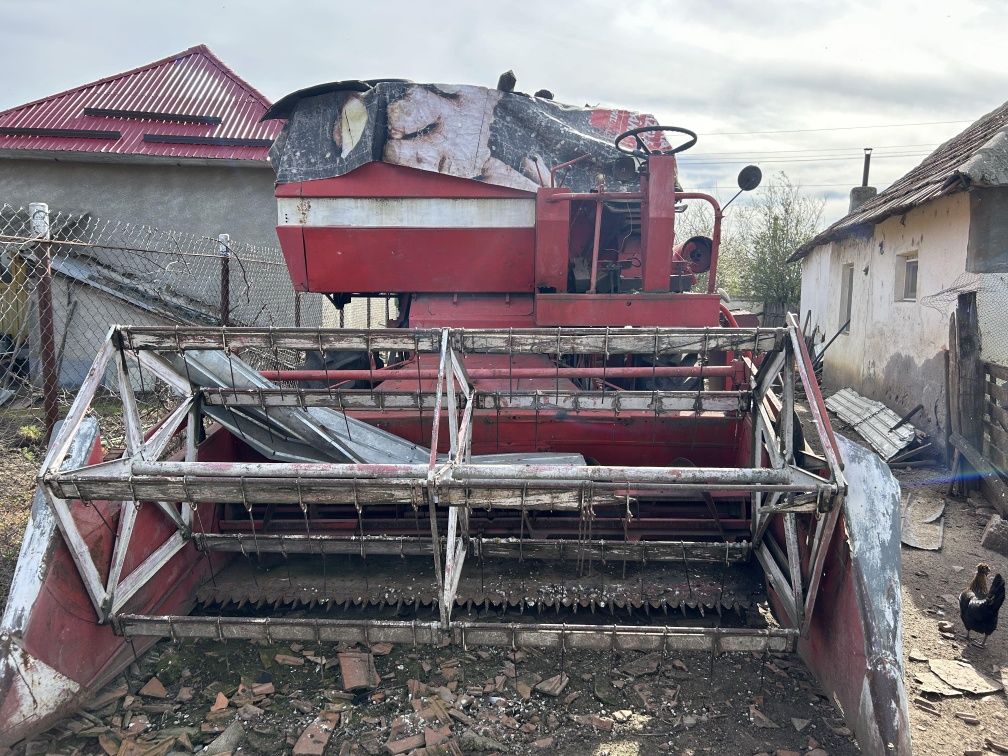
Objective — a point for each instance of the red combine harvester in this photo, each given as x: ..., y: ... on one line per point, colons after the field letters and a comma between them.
x: 562, y: 439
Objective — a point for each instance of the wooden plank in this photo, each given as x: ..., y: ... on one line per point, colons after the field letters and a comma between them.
x: 952, y: 388
x: 985, y: 470
x: 998, y: 437
x: 998, y: 415
x: 971, y: 390
x: 999, y: 393
x: 997, y: 458
x: 999, y: 372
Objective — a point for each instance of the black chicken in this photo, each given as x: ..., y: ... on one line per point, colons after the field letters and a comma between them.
x: 979, y: 607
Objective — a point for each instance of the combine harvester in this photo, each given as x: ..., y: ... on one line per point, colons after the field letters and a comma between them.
x: 562, y: 439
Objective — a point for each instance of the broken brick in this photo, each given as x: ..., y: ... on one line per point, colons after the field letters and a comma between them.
x: 108, y: 744
x: 759, y: 719
x: 553, y: 686
x: 461, y: 717
x: 315, y: 737
x: 436, y: 735
x: 405, y: 745
x: 154, y: 689
x: 358, y: 670
x: 524, y: 690
x: 594, y: 720
x: 642, y: 665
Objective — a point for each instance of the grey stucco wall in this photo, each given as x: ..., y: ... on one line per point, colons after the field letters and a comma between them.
x: 196, y: 199
x: 895, y: 350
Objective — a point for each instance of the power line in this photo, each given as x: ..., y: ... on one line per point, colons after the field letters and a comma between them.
x: 837, y: 128
x: 799, y: 185
x: 834, y: 149
x: 815, y: 159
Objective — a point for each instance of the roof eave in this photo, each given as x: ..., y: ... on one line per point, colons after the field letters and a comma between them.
x: 71, y: 156
x: 957, y: 182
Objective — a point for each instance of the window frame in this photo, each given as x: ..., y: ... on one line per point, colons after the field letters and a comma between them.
x: 910, y: 258
x: 846, y: 297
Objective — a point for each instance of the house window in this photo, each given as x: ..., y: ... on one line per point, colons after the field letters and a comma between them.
x: 846, y: 295
x: 908, y: 290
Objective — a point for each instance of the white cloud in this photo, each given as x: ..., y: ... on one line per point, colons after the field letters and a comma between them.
x: 730, y: 66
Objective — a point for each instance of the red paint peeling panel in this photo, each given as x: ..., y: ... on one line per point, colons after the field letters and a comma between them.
x: 193, y: 83
x: 418, y: 259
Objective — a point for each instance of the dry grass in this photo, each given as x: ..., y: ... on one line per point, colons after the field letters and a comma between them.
x: 22, y: 446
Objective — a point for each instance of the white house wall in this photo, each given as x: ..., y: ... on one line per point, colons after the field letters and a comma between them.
x: 894, y: 351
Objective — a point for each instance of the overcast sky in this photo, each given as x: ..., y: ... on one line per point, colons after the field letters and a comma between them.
x: 811, y: 72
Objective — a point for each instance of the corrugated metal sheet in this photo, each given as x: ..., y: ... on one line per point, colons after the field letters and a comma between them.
x: 976, y: 157
x: 193, y: 83
x: 872, y: 420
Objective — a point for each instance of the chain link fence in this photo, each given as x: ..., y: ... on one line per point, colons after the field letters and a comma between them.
x: 66, y: 278
x: 991, y: 291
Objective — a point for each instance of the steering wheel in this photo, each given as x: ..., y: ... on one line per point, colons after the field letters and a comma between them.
x: 643, y: 151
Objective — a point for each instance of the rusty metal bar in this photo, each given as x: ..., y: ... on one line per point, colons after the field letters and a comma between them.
x: 406, y: 373
x: 775, y: 576
x: 598, y: 197
x: 429, y: 471
x: 542, y: 476
x: 515, y: 635
x: 816, y: 406
x: 39, y: 212
x: 467, y: 341
x: 569, y: 401
x: 81, y: 403
x: 503, y: 495
x: 716, y: 552
x: 224, y: 249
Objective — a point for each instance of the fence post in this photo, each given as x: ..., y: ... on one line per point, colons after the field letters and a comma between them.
x: 224, y: 248
x: 39, y: 212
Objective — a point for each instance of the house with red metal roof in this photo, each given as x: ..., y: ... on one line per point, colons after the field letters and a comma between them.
x: 176, y: 144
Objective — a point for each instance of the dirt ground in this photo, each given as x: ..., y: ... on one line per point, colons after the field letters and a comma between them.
x: 481, y: 699
x: 932, y: 581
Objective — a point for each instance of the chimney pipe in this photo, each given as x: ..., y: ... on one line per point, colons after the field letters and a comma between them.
x: 861, y: 194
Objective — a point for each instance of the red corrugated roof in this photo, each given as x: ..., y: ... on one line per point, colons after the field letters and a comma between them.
x: 188, y: 105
